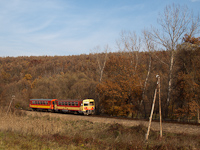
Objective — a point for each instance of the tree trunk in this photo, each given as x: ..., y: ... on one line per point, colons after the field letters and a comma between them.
x: 198, y: 121
x: 145, y: 84
x: 97, y: 103
x: 101, y: 60
x: 170, y: 77
x: 169, y: 83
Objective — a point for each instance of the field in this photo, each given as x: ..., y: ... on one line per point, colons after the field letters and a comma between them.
x: 48, y: 131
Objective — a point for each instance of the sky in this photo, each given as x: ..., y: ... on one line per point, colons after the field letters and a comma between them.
x: 74, y: 27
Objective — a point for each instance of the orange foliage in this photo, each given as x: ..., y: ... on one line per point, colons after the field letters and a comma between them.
x: 187, y: 80
x: 28, y: 77
x: 190, y: 39
x: 121, y: 91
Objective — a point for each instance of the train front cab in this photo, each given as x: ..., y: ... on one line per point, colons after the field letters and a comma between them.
x: 88, y: 106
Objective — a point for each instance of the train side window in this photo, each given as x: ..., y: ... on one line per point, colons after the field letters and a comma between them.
x: 65, y: 103
x: 69, y: 103
x: 76, y: 103
x: 33, y: 102
x: 46, y: 103
x: 59, y: 103
x: 72, y: 103
x: 62, y: 103
x: 43, y: 103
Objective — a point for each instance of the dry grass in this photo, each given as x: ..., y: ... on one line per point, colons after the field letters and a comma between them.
x: 23, y: 131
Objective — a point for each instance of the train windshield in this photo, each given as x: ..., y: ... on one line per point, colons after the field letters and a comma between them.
x: 91, y: 103
x: 88, y: 103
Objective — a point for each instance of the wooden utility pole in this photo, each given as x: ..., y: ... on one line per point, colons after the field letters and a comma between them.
x: 152, y: 109
x: 150, y: 119
x: 12, y: 101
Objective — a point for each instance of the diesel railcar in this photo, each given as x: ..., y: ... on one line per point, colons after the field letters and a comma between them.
x: 42, y: 104
x: 85, y: 106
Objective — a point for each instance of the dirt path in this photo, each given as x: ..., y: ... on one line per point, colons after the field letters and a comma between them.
x: 167, y: 127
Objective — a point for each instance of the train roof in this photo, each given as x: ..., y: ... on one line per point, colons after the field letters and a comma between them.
x: 59, y: 99
x: 69, y: 100
x: 42, y: 99
x: 73, y: 99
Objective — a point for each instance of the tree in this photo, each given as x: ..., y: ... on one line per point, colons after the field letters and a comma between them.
x: 187, y: 81
x: 192, y: 40
x: 101, y: 62
x: 130, y: 43
x: 150, y: 47
x: 121, y: 90
x: 174, y: 23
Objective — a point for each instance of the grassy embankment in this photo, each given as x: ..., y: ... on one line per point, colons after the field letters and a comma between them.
x: 22, y: 131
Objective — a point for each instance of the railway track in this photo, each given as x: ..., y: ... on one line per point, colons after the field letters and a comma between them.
x: 173, y: 127
x: 123, y: 118
x: 154, y: 120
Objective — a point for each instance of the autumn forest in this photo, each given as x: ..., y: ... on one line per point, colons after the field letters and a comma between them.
x: 121, y: 82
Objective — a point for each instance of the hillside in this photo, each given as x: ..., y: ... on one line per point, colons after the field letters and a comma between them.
x: 123, y: 87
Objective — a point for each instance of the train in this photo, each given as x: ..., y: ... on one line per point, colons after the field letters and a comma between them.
x: 85, y: 106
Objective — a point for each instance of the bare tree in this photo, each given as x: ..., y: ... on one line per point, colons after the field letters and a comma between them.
x: 101, y: 61
x: 149, y: 45
x: 195, y: 24
x: 131, y: 43
x: 174, y: 23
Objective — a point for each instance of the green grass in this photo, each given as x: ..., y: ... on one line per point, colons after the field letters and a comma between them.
x: 21, y: 131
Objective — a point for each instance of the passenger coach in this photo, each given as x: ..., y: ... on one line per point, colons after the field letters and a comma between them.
x: 42, y: 104
x: 86, y: 106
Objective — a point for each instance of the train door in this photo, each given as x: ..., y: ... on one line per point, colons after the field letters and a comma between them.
x: 53, y: 105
